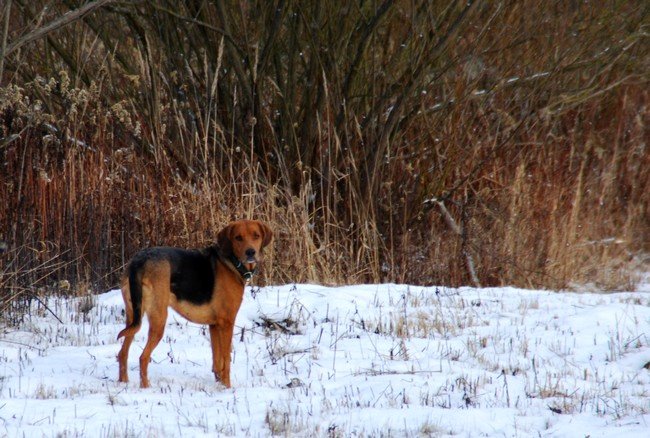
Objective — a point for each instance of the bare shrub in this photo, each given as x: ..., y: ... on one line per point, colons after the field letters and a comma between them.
x: 344, y: 125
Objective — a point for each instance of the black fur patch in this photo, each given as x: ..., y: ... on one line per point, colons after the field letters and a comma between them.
x: 192, y: 271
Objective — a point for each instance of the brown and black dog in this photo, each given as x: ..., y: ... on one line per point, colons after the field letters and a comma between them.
x: 205, y: 286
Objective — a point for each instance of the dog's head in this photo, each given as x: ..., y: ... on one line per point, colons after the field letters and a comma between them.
x: 245, y: 239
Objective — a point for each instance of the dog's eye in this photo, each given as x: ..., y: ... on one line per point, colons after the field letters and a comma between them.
x: 239, y: 238
x: 256, y: 236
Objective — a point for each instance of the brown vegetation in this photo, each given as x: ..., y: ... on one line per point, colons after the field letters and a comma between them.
x: 406, y: 141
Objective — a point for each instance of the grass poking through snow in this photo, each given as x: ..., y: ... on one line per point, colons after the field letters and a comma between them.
x: 308, y: 360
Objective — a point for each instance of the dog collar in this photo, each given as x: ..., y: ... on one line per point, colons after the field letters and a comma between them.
x: 246, y: 274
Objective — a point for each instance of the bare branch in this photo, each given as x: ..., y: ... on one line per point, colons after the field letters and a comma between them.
x: 64, y: 20
x: 5, y: 31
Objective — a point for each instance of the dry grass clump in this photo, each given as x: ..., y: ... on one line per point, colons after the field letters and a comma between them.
x: 420, y: 142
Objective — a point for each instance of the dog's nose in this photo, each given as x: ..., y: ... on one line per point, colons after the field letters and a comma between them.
x: 250, y: 253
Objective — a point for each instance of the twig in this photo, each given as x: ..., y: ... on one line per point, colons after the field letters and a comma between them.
x: 449, y: 220
x: 5, y: 31
x: 47, y: 308
x: 40, y: 350
x: 60, y: 22
x: 457, y: 229
x: 371, y: 372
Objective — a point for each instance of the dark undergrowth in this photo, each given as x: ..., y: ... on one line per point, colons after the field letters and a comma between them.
x: 427, y: 142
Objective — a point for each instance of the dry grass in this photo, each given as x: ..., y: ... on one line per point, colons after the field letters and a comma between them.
x: 156, y: 123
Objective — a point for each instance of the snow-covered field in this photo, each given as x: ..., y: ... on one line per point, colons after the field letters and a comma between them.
x: 380, y: 360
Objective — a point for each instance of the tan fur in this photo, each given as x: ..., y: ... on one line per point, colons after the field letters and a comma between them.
x: 219, y: 313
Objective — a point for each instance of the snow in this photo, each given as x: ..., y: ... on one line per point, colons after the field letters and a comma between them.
x: 370, y: 360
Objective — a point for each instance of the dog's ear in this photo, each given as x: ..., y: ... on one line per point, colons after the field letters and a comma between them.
x: 224, y: 239
x: 267, y: 234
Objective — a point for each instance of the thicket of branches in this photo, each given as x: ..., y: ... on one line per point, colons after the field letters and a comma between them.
x: 410, y: 141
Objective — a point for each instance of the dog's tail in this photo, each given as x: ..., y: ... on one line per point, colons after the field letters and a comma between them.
x: 135, y: 290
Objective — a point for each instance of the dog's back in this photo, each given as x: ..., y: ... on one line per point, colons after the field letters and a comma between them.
x: 189, y: 273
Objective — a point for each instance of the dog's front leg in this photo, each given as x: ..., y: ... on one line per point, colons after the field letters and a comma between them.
x: 214, y: 342
x: 221, y: 341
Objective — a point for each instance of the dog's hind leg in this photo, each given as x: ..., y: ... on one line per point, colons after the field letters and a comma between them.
x: 123, y: 355
x: 157, y: 321
x: 123, y: 358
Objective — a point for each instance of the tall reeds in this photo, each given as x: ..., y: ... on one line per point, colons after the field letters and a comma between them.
x: 339, y: 123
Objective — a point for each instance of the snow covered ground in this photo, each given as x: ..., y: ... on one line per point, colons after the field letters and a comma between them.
x: 373, y: 360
